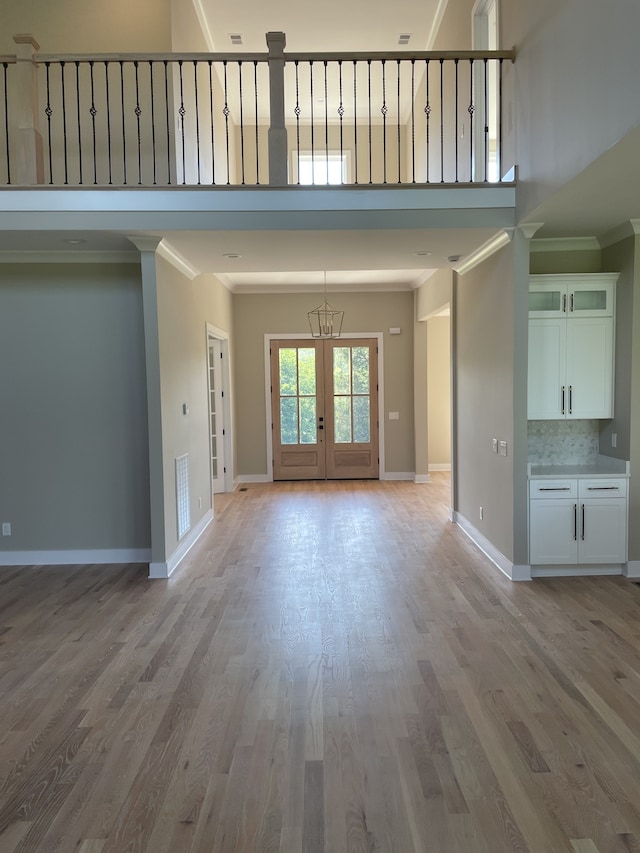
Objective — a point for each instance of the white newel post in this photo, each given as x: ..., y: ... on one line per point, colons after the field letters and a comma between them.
x: 27, y: 163
x: 278, y: 176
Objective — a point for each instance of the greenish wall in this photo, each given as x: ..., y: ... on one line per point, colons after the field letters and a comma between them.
x: 256, y: 315
x: 74, y: 454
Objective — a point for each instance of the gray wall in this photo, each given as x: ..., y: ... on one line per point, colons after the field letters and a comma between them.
x: 73, y: 454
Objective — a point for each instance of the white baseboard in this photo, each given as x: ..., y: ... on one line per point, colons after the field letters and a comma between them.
x: 422, y: 478
x: 77, y: 557
x: 574, y: 571
x: 631, y: 569
x: 251, y: 478
x: 513, y: 572
x: 440, y: 466
x: 158, y: 571
x: 397, y: 475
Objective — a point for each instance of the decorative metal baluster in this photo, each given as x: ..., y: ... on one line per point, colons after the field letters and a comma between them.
x: 355, y: 120
x: 182, y: 112
x: 499, y: 151
x: 93, y: 112
x: 383, y: 110
x: 124, y: 132
x: 138, y: 113
x: 241, y: 121
x: 427, y: 114
x: 471, y: 110
x: 255, y: 101
x: 211, y: 113
x: 108, y: 108
x: 297, y: 112
x: 486, y: 125
x: 64, y: 124
x: 456, y: 129
x: 326, y: 122
x: 413, y: 122
x: 195, y: 87
x: 398, y: 120
x: 153, y: 123
x: 313, y: 159
x: 6, y: 119
x: 370, y: 147
x: 442, y: 121
x: 77, y: 64
x: 168, y: 125
x: 340, y: 111
x: 225, y: 113
x: 48, y: 112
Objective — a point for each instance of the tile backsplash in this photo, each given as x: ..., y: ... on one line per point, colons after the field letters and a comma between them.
x: 563, y: 442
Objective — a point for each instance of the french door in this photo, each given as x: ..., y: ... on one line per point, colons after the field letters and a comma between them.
x: 324, y: 404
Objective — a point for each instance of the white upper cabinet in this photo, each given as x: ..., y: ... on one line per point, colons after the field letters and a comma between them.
x: 571, y: 346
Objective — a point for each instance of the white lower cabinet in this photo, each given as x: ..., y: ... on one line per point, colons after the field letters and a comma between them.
x: 578, y: 521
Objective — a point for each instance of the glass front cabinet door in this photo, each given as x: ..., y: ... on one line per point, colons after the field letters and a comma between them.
x: 572, y: 295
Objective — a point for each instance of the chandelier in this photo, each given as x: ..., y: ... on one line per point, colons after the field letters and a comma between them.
x: 325, y: 321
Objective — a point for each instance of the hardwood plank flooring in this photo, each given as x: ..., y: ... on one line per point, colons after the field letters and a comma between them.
x: 333, y: 669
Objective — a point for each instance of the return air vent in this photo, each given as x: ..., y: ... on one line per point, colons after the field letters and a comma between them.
x: 404, y: 38
x: 182, y: 495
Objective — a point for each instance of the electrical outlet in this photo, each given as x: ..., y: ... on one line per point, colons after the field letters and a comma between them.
x: 199, y: 503
x: 614, y: 439
x: 6, y: 528
x: 481, y: 513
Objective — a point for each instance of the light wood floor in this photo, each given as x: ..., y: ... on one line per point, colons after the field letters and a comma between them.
x: 334, y: 668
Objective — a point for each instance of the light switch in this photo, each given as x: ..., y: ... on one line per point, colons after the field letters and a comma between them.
x: 394, y: 416
x: 503, y: 448
x: 494, y: 445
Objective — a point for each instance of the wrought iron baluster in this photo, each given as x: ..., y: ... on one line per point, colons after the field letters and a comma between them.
x: 6, y: 119
x: 182, y: 112
x: 211, y: 114
x: 456, y: 128
x: 153, y: 123
x: 77, y: 64
x: 168, y: 123
x: 297, y: 112
x: 326, y: 123
x: 255, y: 101
x: 108, y: 108
x: 48, y: 112
x: 413, y: 121
x: 383, y: 110
x: 442, y: 121
x: 225, y: 113
x: 499, y: 151
x: 486, y: 125
x: 124, y: 133
x: 427, y: 114
x: 138, y: 113
x: 398, y: 121
x: 369, y: 99
x: 64, y: 124
x: 340, y: 113
x: 313, y: 159
x: 471, y: 110
x: 93, y: 113
x: 355, y: 120
x: 241, y: 121
x: 195, y: 88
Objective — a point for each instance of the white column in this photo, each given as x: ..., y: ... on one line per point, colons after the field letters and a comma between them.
x: 27, y: 164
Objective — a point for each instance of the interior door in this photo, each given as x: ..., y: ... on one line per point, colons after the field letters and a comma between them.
x: 324, y: 403
x: 216, y: 415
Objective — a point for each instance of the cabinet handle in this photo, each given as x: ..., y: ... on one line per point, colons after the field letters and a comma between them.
x: 571, y: 308
x: 582, y: 535
x: 563, y: 399
x: 570, y: 399
x: 575, y: 522
x: 602, y: 488
x: 555, y: 488
x: 564, y: 302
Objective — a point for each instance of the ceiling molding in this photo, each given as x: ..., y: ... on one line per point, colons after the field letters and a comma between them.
x: 485, y: 251
x: 364, y: 287
x: 144, y: 242
x: 564, y: 244
x: 435, y: 26
x: 204, y: 25
x: 629, y: 228
x: 225, y: 281
x: 530, y: 228
x: 69, y: 257
x: 172, y: 256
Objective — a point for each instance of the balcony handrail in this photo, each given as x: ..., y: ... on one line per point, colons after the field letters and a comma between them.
x: 404, y: 56
x: 150, y: 57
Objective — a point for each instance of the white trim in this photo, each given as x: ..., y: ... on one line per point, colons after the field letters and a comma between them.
x: 159, y: 571
x: 204, y: 25
x: 440, y: 466
x: 573, y: 571
x: 75, y: 557
x: 485, y: 251
x: 629, y: 228
x: 435, y: 26
x: 312, y: 288
x: 227, y: 409
x: 513, y: 572
x: 632, y: 569
x: 421, y: 478
x: 379, y: 336
x: 529, y: 229
x: 252, y: 478
x: 564, y: 244
x: 398, y: 475
x: 70, y: 257
x: 173, y: 257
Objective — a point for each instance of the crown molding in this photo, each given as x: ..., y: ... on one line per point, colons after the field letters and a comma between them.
x: 530, y: 228
x: 363, y: 287
x: 485, y: 251
x: 69, y: 257
x: 630, y: 228
x: 173, y: 256
x: 565, y: 244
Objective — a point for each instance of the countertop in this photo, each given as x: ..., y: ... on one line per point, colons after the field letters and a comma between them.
x: 604, y: 466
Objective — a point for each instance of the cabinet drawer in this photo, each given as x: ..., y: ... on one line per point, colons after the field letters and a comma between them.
x: 540, y: 489
x: 601, y: 488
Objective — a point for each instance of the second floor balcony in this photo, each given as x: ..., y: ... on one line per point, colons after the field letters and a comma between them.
x: 247, y: 120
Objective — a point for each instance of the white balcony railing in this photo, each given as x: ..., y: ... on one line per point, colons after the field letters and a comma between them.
x: 250, y: 119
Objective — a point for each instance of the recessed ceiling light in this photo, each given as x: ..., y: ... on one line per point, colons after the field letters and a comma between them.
x: 453, y: 259
x: 232, y: 256
x: 422, y: 254
x: 74, y: 242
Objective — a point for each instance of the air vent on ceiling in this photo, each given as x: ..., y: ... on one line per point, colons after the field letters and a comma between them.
x: 236, y: 38
x: 403, y: 38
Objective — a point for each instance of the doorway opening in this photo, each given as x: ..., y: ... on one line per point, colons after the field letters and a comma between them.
x: 324, y: 398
